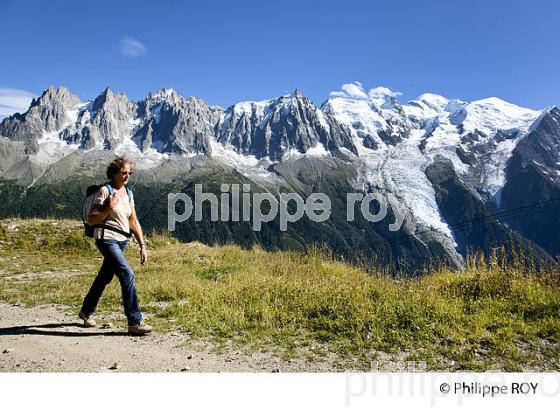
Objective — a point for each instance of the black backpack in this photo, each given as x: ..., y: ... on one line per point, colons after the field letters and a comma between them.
x: 91, y: 193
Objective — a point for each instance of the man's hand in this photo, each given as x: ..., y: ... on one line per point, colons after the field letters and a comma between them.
x: 112, y: 201
x: 143, y: 255
x: 99, y: 212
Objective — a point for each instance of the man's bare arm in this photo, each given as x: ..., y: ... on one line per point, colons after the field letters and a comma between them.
x: 138, y: 234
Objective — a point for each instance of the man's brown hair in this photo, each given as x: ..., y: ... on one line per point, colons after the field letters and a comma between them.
x: 116, y: 165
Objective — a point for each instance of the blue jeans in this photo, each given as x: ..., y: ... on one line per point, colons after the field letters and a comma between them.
x: 114, y: 263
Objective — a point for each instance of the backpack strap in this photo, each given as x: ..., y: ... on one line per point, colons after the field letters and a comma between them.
x: 129, y: 193
x: 109, y: 188
x: 112, y: 191
x: 111, y: 228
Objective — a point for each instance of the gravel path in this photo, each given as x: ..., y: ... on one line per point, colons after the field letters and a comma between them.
x: 47, y: 339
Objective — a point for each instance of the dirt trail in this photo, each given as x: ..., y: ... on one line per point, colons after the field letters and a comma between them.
x: 47, y: 339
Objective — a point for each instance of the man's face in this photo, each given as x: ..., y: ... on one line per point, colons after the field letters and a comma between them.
x: 123, y: 176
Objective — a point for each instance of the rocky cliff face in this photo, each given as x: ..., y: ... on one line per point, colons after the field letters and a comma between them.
x: 173, y: 124
x: 164, y: 122
x: 473, y: 225
x: 104, y: 124
x: 275, y: 128
x: 49, y: 113
x: 532, y: 189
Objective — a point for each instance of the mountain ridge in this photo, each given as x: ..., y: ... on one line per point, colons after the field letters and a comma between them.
x: 389, y: 145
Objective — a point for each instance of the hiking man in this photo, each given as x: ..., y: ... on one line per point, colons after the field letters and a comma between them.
x: 114, y: 216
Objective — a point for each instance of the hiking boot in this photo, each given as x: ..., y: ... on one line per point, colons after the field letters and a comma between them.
x: 139, y: 329
x: 88, y: 321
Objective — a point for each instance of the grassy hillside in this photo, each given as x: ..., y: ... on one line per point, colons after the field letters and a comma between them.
x: 358, y: 240
x: 492, y: 316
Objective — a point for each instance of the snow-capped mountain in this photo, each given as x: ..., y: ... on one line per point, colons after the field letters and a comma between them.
x: 418, y: 151
x: 533, y: 176
x: 478, y: 137
x: 275, y: 128
x: 398, y: 142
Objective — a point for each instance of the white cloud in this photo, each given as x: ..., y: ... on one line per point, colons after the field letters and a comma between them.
x: 130, y: 47
x: 13, y: 100
x: 338, y: 94
x: 380, y: 92
x: 356, y: 90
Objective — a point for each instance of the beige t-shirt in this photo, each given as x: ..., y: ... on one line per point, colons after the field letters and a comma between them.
x: 118, y: 216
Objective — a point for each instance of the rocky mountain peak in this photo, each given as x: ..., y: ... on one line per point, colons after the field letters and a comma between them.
x: 60, y: 95
x: 47, y: 114
x: 109, y: 121
x: 173, y: 124
x: 168, y: 95
x: 285, y: 125
x: 108, y: 100
x: 540, y: 144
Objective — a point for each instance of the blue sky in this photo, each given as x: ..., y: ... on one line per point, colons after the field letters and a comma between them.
x: 225, y: 51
